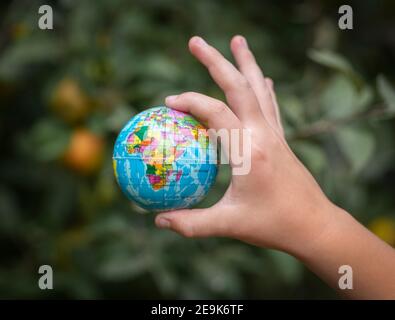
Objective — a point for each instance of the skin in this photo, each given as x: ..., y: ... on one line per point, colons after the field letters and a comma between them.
x: 294, y: 216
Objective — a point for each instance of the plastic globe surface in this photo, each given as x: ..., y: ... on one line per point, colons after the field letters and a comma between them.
x: 164, y: 160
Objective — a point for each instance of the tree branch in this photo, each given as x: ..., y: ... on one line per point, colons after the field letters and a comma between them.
x: 325, y: 126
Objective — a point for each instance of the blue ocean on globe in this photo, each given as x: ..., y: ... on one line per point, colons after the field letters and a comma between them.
x: 163, y: 160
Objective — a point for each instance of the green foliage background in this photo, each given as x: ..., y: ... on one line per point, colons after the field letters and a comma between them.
x: 337, y: 102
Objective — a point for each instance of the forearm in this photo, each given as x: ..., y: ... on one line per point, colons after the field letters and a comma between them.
x: 344, y: 241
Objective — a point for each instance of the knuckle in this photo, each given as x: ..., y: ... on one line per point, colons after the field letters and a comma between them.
x: 244, y: 84
x: 187, y: 233
x: 188, y: 95
x: 259, y: 155
x: 219, y: 108
x: 261, y: 152
x: 269, y: 81
x: 266, y: 100
x: 185, y: 229
x: 266, y: 92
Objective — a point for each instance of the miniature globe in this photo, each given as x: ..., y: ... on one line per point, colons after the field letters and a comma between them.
x: 163, y: 159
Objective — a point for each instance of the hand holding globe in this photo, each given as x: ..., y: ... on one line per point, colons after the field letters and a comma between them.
x: 278, y: 204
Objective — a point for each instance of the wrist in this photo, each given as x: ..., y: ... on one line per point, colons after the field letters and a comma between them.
x: 319, y: 230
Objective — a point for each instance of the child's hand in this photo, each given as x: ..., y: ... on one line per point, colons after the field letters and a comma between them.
x: 277, y: 204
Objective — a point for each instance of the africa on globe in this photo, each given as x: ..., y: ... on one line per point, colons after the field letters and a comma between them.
x: 163, y: 159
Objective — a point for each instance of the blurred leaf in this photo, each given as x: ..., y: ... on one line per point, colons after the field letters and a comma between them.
x: 339, y: 98
x: 160, y: 66
x: 119, y: 117
x: 76, y: 285
x: 220, y: 280
x: 111, y: 225
x: 97, y: 123
x: 124, y: 267
x: 30, y: 51
x: 289, y: 268
x: 357, y: 145
x: 165, y: 277
x: 331, y: 59
x: 84, y: 22
x: 311, y: 154
x: 47, y: 140
x: 365, y: 98
x: 386, y: 91
x: 292, y: 110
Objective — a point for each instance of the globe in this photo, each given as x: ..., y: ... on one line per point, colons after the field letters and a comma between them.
x: 163, y: 160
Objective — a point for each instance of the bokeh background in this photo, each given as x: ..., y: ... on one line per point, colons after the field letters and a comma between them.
x: 66, y: 93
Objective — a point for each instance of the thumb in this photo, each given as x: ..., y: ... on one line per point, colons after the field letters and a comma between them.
x: 194, y: 222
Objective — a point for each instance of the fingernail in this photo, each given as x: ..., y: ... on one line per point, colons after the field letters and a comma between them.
x: 163, y: 223
x: 199, y: 41
x: 243, y: 41
x: 171, y: 99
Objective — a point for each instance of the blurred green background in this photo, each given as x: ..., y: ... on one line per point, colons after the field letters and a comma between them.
x: 66, y: 93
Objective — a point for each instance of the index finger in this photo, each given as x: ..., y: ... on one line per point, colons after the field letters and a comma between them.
x: 239, y: 94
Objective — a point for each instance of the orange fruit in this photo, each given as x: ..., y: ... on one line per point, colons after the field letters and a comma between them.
x: 69, y: 101
x: 85, y: 151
